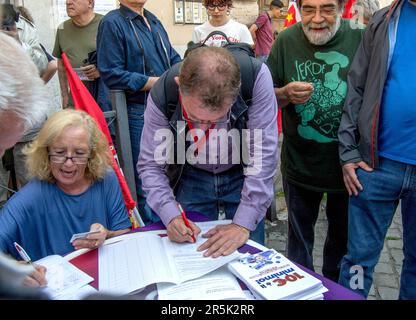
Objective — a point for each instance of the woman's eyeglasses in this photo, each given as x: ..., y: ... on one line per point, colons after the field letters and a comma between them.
x: 220, y: 7
x: 62, y: 159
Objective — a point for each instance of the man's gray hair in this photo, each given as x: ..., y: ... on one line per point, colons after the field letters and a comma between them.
x: 22, y: 91
x: 213, y: 74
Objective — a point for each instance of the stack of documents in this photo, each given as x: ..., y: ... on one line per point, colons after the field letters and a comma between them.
x: 141, y: 259
x: 271, y: 276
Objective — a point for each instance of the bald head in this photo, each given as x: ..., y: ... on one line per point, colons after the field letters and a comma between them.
x: 212, y: 74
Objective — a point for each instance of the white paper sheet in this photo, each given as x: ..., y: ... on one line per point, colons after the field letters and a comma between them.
x: 78, y: 294
x: 132, y: 264
x: 63, y: 277
x: 143, y: 259
x: 217, y: 285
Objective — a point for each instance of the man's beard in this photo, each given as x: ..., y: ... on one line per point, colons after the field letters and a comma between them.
x: 322, y: 37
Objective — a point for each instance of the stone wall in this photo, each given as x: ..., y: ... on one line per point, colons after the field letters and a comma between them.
x: 245, y: 11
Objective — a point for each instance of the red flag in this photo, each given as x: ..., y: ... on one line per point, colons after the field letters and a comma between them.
x: 84, y: 101
x: 348, y: 12
x: 293, y: 15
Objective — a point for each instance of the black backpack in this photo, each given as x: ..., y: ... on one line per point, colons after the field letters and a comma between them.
x: 249, y: 69
x: 166, y: 96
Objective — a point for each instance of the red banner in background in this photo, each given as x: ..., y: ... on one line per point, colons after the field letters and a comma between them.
x: 348, y: 12
x: 84, y: 101
x: 293, y: 14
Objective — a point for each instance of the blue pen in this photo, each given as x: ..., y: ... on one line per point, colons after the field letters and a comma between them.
x: 22, y: 253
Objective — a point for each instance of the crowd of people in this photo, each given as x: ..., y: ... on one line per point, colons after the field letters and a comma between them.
x: 204, y: 134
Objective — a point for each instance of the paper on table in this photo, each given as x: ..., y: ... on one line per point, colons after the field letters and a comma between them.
x: 131, y: 264
x: 207, y: 225
x: 135, y: 263
x: 78, y: 294
x: 217, y: 285
x: 63, y: 277
x: 190, y: 263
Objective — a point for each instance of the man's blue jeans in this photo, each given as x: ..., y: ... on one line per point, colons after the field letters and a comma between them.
x: 136, y: 122
x: 370, y: 216
x: 208, y: 193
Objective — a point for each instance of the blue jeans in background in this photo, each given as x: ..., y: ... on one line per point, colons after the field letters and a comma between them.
x: 136, y: 122
x: 303, y: 209
x: 209, y: 193
x: 370, y: 216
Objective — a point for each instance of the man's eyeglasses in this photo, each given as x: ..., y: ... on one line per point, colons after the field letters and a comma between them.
x: 325, y: 10
x: 220, y: 7
x: 62, y: 159
x: 225, y: 120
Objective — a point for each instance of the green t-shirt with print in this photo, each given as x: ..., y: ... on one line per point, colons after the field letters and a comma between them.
x: 309, y: 155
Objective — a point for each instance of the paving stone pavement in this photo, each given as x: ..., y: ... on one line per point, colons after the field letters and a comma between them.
x: 388, y: 270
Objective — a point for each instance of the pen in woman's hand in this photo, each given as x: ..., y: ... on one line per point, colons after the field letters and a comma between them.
x: 23, y: 253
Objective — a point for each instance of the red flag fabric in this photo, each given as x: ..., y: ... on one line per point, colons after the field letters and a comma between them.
x: 348, y: 12
x: 83, y: 100
x: 293, y: 14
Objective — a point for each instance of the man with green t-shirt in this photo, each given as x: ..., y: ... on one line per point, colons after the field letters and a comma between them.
x: 77, y: 38
x: 309, y: 63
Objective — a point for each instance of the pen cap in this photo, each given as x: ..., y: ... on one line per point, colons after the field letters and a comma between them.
x: 22, y: 252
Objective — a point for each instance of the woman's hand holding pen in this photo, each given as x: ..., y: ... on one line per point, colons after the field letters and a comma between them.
x: 179, y: 232
x: 37, y: 278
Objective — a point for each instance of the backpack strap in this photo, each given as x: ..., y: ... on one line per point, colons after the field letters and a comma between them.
x: 249, y: 69
x: 214, y: 33
x: 165, y: 92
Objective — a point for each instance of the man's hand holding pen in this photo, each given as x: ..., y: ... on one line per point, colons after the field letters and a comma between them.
x: 179, y: 232
x: 222, y: 240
